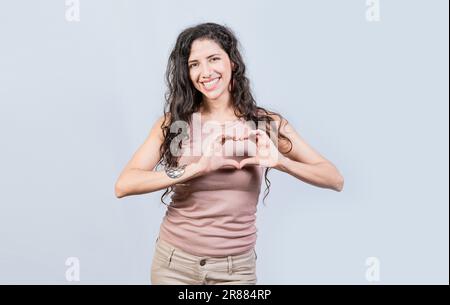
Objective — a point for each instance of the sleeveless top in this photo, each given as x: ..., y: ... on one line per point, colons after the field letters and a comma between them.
x: 214, y: 214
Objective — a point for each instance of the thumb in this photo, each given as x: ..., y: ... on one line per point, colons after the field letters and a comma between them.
x: 230, y: 162
x: 249, y: 161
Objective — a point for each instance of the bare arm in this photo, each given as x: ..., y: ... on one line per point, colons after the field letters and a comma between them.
x: 305, y: 163
x: 139, y: 176
x: 322, y: 174
x: 136, y: 181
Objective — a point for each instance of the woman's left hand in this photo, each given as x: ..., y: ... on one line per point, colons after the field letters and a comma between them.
x: 267, y: 154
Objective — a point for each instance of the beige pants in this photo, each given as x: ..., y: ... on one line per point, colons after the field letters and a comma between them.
x: 172, y: 266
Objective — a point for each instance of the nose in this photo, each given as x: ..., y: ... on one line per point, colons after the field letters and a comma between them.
x: 206, y: 72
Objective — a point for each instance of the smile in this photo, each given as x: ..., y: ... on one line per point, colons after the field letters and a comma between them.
x: 211, y: 85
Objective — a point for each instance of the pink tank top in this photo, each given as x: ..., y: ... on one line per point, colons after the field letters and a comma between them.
x: 214, y: 214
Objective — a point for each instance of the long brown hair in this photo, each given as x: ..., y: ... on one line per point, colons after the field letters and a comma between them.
x: 183, y: 99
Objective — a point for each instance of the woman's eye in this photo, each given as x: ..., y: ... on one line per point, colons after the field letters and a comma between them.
x: 194, y: 65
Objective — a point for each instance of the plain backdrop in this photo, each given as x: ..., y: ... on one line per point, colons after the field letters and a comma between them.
x: 78, y: 98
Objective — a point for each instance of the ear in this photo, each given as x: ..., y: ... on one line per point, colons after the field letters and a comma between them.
x: 233, y: 66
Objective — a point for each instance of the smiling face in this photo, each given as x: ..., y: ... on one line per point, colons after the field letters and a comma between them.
x: 209, y: 69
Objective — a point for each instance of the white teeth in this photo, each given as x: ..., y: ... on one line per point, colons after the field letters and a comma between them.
x: 211, y: 83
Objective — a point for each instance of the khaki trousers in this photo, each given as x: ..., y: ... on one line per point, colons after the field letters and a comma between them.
x: 172, y: 266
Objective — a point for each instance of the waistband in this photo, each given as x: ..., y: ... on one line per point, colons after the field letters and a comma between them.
x: 170, y: 249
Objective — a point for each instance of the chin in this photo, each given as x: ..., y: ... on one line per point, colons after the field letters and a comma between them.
x: 213, y: 95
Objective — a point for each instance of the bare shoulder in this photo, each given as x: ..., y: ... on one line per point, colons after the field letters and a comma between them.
x: 280, y: 120
x: 157, y: 128
x: 164, y: 119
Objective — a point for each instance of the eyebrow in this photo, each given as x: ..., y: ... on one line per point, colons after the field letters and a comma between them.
x: 206, y: 57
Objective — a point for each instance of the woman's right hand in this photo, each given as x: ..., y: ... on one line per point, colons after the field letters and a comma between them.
x: 212, y: 157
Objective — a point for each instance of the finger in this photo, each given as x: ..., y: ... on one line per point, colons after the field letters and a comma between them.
x: 248, y: 132
x: 243, y: 135
x: 251, y: 135
x: 230, y: 163
x: 221, y: 138
x: 249, y: 161
x: 213, y: 149
x: 262, y: 138
x: 214, y: 143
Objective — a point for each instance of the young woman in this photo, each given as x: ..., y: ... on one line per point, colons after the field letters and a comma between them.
x: 208, y: 234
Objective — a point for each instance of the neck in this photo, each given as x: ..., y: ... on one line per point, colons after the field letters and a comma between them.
x: 220, y: 108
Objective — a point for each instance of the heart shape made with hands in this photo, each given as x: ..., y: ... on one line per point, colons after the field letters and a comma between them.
x: 260, y: 149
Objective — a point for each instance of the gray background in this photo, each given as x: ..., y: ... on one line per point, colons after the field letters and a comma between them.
x: 78, y: 98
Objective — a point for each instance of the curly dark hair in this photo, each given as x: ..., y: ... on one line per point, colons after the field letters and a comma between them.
x: 183, y: 99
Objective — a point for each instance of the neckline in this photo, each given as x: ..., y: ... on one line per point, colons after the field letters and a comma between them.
x: 226, y: 123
